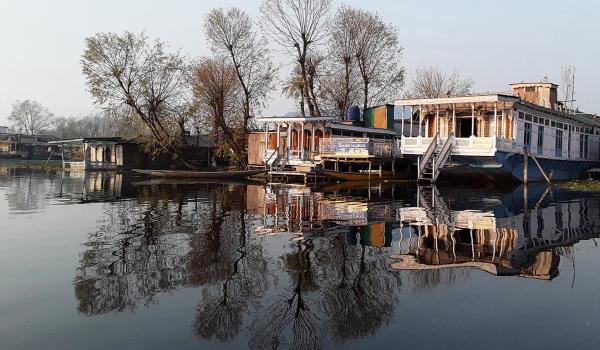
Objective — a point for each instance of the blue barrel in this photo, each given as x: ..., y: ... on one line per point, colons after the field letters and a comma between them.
x: 353, y: 114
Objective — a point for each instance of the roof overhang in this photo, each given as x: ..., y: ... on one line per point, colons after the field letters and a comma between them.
x: 293, y: 119
x: 456, y: 100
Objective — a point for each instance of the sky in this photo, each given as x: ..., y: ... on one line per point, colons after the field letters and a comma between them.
x: 492, y: 43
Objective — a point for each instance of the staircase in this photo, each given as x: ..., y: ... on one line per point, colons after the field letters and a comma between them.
x: 280, y: 161
x: 432, y: 161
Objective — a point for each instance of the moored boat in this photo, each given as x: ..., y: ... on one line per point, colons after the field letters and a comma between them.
x: 189, y: 174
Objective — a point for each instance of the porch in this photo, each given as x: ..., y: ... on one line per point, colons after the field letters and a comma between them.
x: 477, y: 125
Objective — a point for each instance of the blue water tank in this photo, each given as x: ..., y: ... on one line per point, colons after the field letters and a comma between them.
x: 353, y: 114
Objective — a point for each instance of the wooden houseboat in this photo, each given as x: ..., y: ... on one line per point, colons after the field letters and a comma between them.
x: 344, y: 150
x: 492, y: 135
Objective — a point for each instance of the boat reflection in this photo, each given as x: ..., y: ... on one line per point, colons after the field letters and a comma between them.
x: 522, y: 242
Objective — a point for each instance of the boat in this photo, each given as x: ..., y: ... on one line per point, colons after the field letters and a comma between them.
x: 526, y: 135
x: 190, y: 174
x: 361, y: 176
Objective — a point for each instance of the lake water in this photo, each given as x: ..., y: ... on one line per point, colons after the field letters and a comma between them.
x: 110, y: 261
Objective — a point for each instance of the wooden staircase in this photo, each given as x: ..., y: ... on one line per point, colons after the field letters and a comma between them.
x: 431, y: 163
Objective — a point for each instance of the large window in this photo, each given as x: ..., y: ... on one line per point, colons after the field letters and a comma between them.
x: 559, y: 143
x: 527, y: 135
x: 540, y: 140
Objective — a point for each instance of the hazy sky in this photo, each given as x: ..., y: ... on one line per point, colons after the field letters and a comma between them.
x: 493, y: 43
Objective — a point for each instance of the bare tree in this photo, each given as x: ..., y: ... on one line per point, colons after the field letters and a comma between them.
x: 339, y: 85
x: 298, y: 25
x: 378, y: 52
x: 218, y: 95
x: 30, y: 117
x: 137, y: 79
x: 432, y: 82
x: 567, y: 86
x: 231, y: 32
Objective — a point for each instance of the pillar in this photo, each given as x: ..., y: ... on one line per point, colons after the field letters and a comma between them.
x: 278, y: 135
x: 266, y: 136
x: 412, y: 109
x: 472, y: 120
x: 312, y: 141
x: 420, y: 119
x: 453, y: 119
x: 504, y: 123
x: 302, y: 142
x: 495, y: 120
x: 402, y: 118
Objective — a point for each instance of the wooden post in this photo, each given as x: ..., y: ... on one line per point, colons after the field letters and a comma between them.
x: 369, y: 170
x: 278, y: 136
x: 412, y: 109
x: 525, y: 165
x: 379, y: 171
x: 62, y: 155
x: 394, y: 169
x: 541, y: 169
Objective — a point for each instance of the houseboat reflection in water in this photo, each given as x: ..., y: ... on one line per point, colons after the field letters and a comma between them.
x: 526, y: 242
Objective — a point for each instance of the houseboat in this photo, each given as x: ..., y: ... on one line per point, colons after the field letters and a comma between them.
x: 352, y: 149
x: 525, y: 136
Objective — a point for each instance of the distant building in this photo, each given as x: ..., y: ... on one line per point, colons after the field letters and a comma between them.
x: 3, y: 129
x: 116, y: 153
x: 22, y: 146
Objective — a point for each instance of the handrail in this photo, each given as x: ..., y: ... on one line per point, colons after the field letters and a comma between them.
x: 443, y: 156
x: 277, y: 165
x: 428, y: 153
x: 271, y: 156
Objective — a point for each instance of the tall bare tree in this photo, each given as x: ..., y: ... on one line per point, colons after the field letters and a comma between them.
x: 339, y: 84
x: 218, y: 95
x: 298, y: 25
x: 30, y: 117
x: 133, y: 77
x: 567, y: 86
x: 378, y: 53
x: 231, y: 32
x: 432, y: 82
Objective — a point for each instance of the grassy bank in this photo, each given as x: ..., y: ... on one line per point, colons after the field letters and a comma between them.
x: 580, y: 185
x: 33, y: 165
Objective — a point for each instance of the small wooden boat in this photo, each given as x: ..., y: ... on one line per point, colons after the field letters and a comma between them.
x: 361, y: 176
x: 190, y: 174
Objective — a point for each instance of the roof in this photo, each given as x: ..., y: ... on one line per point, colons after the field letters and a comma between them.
x: 541, y: 83
x: 471, y: 98
x: 293, y: 118
x: 92, y: 139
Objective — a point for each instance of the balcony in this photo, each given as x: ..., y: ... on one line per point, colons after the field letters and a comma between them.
x: 466, y: 146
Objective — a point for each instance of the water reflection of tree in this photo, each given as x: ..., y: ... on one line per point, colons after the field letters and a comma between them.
x: 234, y: 272
x: 158, y: 242
x: 347, y: 292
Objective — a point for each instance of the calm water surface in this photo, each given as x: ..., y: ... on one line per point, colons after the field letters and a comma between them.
x: 110, y: 261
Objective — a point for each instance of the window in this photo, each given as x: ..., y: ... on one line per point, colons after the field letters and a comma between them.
x: 559, y: 143
x: 540, y: 140
x: 530, y: 89
x: 586, y: 147
x: 527, y: 135
x: 528, y: 117
x: 521, y: 115
x: 581, y: 141
x: 535, y: 120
